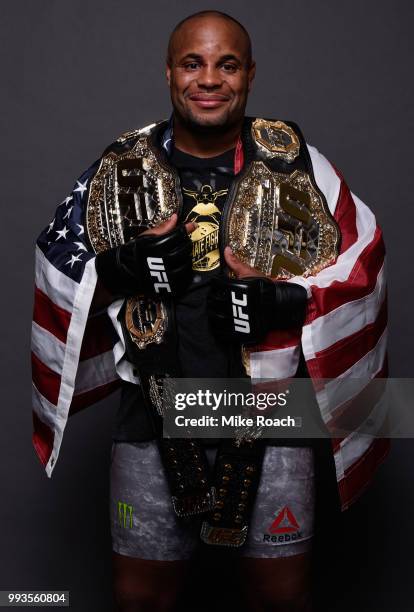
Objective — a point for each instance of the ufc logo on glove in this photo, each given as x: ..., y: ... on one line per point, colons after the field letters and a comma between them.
x: 157, y: 270
x: 241, y: 318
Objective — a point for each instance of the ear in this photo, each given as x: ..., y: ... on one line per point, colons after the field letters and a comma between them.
x: 168, y: 74
x: 251, y: 75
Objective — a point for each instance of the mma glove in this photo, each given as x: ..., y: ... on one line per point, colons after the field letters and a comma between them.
x: 247, y: 309
x: 151, y: 265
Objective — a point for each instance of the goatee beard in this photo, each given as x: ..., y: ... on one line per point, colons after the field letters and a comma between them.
x: 191, y: 122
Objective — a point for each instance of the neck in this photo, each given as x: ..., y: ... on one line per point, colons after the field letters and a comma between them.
x: 205, y: 142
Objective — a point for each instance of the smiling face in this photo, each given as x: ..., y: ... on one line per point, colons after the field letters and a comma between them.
x: 209, y: 72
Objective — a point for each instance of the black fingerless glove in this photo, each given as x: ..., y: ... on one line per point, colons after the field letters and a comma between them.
x: 247, y: 309
x: 151, y: 265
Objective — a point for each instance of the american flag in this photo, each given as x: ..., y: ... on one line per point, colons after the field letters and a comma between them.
x: 78, y: 354
x: 72, y: 346
x: 344, y: 337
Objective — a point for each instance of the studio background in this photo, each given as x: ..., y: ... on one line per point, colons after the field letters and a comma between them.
x: 78, y: 73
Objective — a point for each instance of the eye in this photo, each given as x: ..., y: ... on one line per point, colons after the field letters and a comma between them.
x: 191, y: 66
x: 229, y: 67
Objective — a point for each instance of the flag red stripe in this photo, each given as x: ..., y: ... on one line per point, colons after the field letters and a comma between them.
x: 360, y: 474
x: 98, y: 336
x: 350, y: 415
x: 343, y: 354
x: 51, y: 317
x: 83, y: 400
x: 345, y: 216
x: 360, y: 282
x: 42, y: 438
x: 336, y: 444
x: 46, y: 380
x: 279, y: 339
x: 383, y: 373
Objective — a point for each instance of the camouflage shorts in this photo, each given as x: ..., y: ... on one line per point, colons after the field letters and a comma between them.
x: 143, y: 523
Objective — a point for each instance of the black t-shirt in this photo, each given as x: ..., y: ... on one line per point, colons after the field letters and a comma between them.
x: 205, y: 183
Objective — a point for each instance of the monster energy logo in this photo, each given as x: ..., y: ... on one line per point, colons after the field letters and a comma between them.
x: 125, y: 511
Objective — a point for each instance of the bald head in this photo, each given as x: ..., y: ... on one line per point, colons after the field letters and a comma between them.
x: 190, y: 24
x: 209, y: 72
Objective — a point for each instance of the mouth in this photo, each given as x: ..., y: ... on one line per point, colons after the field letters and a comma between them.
x: 204, y: 100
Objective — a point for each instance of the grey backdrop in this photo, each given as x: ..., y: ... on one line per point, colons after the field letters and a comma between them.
x: 78, y: 73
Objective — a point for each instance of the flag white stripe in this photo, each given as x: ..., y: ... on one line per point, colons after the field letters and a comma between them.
x: 57, y: 286
x: 354, y: 445
x: 326, y: 178
x: 95, y: 372
x: 339, y: 467
x: 124, y: 368
x: 80, y: 309
x: 45, y: 410
x: 341, y: 269
x: 49, y: 349
x: 351, y: 382
x: 276, y: 364
x: 344, y: 321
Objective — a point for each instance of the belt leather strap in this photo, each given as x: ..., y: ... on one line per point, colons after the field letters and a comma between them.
x: 237, y: 474
x: 226, y: 494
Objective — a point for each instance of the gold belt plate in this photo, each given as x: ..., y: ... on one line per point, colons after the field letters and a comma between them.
x: 280, y: 224
x: 146, y: 320
x: 223, y: 536
x: 276, y: 139
x: 131, y: 192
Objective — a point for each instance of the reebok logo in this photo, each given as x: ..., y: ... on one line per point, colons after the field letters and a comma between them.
x: 284, y: 528
x: 241, y: 318
x: 157, y: 271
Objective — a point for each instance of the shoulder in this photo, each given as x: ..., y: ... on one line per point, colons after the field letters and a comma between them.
x: 129, y: 138
x: 283, y: 139
x: 326, y: 176
x: 137, y: 132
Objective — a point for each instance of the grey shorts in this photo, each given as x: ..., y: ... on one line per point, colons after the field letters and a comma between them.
x: 143, y: 523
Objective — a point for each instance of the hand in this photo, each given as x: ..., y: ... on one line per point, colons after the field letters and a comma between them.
x: 240, y: 269
x: 248, y: 307
x: 158, y: 262
x: 168, y: 226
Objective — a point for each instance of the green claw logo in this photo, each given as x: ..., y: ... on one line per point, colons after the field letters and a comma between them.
x: 125, y: 510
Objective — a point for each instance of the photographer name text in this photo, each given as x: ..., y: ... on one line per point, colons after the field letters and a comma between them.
x: 235, y: 421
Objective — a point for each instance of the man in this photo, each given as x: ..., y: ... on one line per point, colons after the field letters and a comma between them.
x: 154, y: 231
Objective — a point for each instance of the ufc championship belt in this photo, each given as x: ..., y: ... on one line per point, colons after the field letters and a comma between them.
x: 276, y: 220
x: 135, y: 189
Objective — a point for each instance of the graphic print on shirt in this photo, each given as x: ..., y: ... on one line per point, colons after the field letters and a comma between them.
x: 206, y: 213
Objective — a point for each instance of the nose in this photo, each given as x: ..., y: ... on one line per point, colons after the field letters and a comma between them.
x: 209, y: 77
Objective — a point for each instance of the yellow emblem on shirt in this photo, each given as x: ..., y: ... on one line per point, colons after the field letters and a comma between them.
x: 206, y: 255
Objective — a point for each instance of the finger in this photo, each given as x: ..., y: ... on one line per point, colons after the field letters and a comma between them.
x: 163, y: 228
x: 241, y: 270
x: 190, y: 227
x: 233, y: 262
